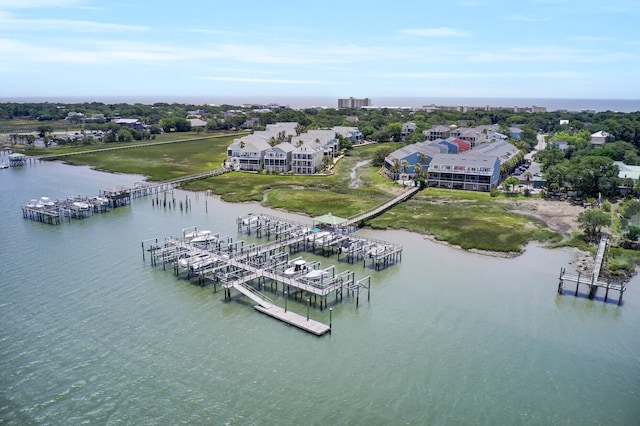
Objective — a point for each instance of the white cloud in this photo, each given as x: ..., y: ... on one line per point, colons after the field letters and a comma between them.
x: 33, y: 4
x: 549, y: 54
x: 435, y: 32
x: 264, y: 80
x: 483, y: 75
x: 7, y: 21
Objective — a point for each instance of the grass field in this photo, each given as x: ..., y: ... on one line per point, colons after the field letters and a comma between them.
x: 160, y: 162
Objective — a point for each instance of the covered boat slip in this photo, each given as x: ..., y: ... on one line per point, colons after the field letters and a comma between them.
x: 251, y: 269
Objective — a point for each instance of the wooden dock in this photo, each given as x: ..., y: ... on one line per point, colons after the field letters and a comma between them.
x: 251, y: 268
x: 291, y: 318
x: 592, y: 281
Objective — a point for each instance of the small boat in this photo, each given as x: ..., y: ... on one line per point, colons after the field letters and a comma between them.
x: 318, y: 236
x: 196, y: 234
x: 3, y: 166
x: 81, y: 205
x: 46, y: 201
x: 298, y: 266
x: 205, y: 239
x: 376, y: 250
x: 202, y: 263
x: 316, y: 274
x: 249, y: 220
x: 192, y: 259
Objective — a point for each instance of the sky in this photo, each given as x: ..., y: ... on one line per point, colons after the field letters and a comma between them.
x: 580, y: 49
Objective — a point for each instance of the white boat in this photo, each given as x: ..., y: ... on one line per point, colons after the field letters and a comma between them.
x: 249, y: 220
x: 100, y: 200
x: 376, y: 250
x: 46, y: 201
x: 297, y: 267
x: 34, y: 204
x: 196, y: 234
x: 192, y: 259
x: 202, y: 263
x: 318, y: 236
x: 316, y: 274
x: 81, y: 205
x: 204, y: 239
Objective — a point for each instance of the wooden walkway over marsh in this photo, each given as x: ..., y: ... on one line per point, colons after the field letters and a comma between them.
x: 405, y: 195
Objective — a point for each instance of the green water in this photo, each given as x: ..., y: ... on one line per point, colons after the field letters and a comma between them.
x: 93, y: 334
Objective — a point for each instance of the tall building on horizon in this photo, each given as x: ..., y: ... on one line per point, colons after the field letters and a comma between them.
x: 353, y: 103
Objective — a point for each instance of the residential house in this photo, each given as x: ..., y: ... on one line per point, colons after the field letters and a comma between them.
x: 407, y: 128
x: 247, y: 153
x: 306, y: 159
x: 352, y: 133
x: 502, y: 150
x: 409, y: 156
x: 132, y: 123
x: 516, y: 132
x: 495, y: 136
x: 462, y: 145
x: 326, y: 138
x: 278, y: 157
x: 196, y: 122
x: 600, y: 138
x: 438, y: 132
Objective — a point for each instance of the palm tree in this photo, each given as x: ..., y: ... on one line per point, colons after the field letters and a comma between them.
x: 405, y: 166
x: 395, y: 168
x: 418, y: 171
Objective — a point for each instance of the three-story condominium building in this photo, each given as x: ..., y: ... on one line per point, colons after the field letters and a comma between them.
x: 464, y: 171
x: 278, y: 158
x: 306, y: 159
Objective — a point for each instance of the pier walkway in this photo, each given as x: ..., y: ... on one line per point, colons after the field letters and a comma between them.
x: 406, y: 194
x: 593, y: 281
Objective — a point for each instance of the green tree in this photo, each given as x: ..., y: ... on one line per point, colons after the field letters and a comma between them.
x: 511, y: 182
x: 591, y: 221
x: 379, y: 156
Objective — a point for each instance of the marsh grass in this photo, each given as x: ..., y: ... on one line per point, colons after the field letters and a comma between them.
x: 466, y: 219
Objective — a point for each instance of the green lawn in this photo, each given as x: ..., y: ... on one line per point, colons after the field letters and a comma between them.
x: 160, y: 162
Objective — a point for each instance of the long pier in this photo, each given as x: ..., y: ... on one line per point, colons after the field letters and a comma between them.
x: 592, y: 282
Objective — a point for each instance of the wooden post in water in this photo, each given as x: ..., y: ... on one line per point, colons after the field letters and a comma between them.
x: 330, y: 317
x: 606, y: 293
x: 577, y: 284
x: 285, y: 301
x: 308, y: 306
x: 620, y: 296
x: 560, y: 281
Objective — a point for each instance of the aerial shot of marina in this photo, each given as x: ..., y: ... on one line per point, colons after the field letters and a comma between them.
x: 338, y: 213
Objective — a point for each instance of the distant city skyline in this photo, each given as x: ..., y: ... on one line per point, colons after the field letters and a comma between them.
x: 365, y: 49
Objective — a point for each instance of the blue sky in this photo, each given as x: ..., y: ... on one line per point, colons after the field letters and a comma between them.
x: 456, y: 48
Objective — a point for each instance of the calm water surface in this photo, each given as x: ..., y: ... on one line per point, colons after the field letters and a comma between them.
x: 92, y: 334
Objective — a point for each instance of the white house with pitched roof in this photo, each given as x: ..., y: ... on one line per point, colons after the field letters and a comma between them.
x: 600, y: 138
x: 247, y: 153
x: 306, y: 159
x: 278, y: 157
